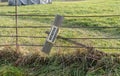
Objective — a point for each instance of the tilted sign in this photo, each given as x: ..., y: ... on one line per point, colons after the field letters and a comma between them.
x: 53, y: 34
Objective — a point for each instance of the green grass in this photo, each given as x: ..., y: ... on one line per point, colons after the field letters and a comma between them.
x: 8, y: 70
x: 89, y: 63
x: 81, y: 8
x: 53, y: 65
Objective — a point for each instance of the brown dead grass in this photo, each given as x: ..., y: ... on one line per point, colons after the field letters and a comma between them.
x: 91, y: 58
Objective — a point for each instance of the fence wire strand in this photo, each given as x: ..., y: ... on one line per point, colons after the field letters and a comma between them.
x: 80, y: 16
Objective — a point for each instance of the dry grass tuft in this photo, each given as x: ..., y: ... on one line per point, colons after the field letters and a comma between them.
x: 90, y: 60
x: 8, y: 54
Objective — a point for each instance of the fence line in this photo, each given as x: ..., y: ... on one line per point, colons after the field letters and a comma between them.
x: 64, y: 15
x: 37, y: 45
x: 64, y: 37
x: 75, y: 26
x: 16, y: 15
x: 16, y: 22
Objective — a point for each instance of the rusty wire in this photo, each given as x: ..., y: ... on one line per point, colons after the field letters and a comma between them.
x: 76, y: 26
x: 80, y: 16
x: 38, y: 45
x: 14, y: 36
x: 16, y: 23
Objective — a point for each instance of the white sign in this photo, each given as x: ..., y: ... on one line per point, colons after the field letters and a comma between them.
x: 53, y: 34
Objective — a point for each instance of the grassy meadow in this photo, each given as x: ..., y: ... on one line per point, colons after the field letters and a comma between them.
x: 72, y: 8
x: 79, y: 8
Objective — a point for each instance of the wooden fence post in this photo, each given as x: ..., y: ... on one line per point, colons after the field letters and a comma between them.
x: 53, y: 34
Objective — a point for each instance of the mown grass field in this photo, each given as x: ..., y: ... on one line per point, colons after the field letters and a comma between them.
x: 79, y: 8
x: 75, y: 8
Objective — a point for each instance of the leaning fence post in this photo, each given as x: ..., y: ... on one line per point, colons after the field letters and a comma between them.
x: 53, y: 34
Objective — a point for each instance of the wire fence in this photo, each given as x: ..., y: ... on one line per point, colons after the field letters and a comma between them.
x: 17, y: 36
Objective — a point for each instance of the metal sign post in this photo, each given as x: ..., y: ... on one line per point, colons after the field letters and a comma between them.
x: 53, y: 34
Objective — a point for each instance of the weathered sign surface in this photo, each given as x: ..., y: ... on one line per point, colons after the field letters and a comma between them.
x: 53, y: 34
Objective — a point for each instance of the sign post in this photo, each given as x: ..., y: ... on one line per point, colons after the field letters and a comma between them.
x: 53, y: 34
